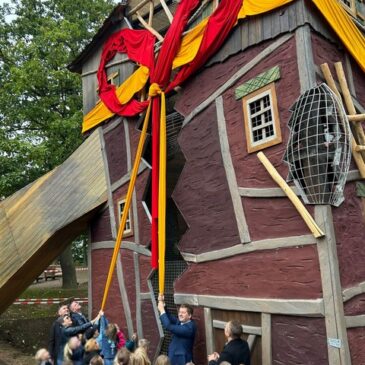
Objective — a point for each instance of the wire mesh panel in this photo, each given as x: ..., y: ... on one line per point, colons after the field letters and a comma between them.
x: 319, y: 150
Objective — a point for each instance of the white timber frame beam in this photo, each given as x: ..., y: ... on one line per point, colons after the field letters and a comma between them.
x: 331, y: 287
x: 294, y: 307
x: 306, y: 67
x: 230, y: 173
x: 128, y: 245
x: 267, y: 244
x: 352, y: 292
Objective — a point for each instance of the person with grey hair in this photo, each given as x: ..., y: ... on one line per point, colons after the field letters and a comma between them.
x: 236, y: 350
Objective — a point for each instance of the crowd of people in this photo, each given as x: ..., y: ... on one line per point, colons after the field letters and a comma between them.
x: 74, y: 340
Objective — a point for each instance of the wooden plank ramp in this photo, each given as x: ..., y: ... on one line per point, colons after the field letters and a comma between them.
x: 40, y: 220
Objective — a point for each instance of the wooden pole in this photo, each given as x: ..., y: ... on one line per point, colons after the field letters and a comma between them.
x: 356, y: 118
x: 312, y: 225
x: 167, y: 11
x: 331, y: 83
x: 329, y: 79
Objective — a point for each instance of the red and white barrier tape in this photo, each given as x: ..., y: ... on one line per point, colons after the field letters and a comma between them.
x: 47, y: 301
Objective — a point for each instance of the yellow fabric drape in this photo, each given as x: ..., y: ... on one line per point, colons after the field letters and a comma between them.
x: 124, y: 92
x: 255, y: 7
x: 344, y: 27
x: 128, y: 200
x: 162, y: 199
x: 190, y: 44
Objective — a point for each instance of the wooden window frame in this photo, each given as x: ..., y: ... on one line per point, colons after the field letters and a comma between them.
x: 246, y: 100
x: 352, y: 8
x: 127, y: 232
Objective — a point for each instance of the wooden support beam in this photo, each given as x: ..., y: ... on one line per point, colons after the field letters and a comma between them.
x: 137, y: 278
x: 356, y: 117
x: 124, y: 296
x: 254, y: 246
x: 113, y: 226
x: 295, y: 307
x: 230, y: 173
x: 329, y: 80
x: 167, y: 11
x: 127, y: 245
x: 359, y: 148
x: 209, y: 335
x: 331, y: 287
x: 312, y: 225
x: 348, y: 99
x: 150, y: 15
x: 253, y: 330
x: 355, y: 321
x: 149, y: 28
x: 306, y: 69
x: 352, y: 292
x: 266, y: 343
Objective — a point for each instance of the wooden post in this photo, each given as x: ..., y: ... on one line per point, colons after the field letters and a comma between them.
x: 312, y: 225
x: 266, y: 339
x: 338, y: 351
x: 209, y: 337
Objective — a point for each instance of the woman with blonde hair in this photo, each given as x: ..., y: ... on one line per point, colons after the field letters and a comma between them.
x: 140, y: 357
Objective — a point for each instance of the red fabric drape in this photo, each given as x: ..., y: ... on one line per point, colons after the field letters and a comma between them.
x: 139, y: 46
x: 161, y: 76
x: 219, y: 25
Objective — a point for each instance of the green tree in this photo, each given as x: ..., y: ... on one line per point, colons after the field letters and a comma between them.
x: 40, y: 100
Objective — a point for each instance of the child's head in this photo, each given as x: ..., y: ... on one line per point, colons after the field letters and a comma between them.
x: 111, y: 332
x: 91, y: 345
x: 122, y: 357
x: 96, y: 360
x: 42, y: 355
x: 162, y: 360
x: 144, y: 343
x: 139, y: 357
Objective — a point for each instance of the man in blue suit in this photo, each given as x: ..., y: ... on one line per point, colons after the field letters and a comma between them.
x: 183, y: 329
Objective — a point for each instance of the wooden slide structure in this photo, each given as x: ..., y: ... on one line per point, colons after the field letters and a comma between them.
x: 40, y: 220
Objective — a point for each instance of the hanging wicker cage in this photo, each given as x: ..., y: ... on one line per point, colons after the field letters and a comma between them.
x: 319, y: 146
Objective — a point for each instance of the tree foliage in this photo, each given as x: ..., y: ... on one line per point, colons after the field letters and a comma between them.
x: 40, y: 100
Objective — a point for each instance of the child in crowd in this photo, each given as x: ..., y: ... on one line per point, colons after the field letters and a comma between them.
x: 74, y: 351
x: 91, y: 349
x: 97, y: 360
x: 122, y: 358
x: 162, y: 360
x: 43, y: 357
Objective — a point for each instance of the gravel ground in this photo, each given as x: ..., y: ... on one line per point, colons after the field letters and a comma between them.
x: 11, y: 356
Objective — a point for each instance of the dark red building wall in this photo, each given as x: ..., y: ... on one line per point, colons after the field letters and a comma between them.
x: 291, y: 273
x: 273, y: 218
x: 126, y: 257
x: 350, y: 238
x: 144, y: 270
x: 298, y: 340
x: 116, y: 152
x: 355, y: 306
x: 114, y: 308
x: 100, y: 228
x: 356, y: 338
x: 202, y: 192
